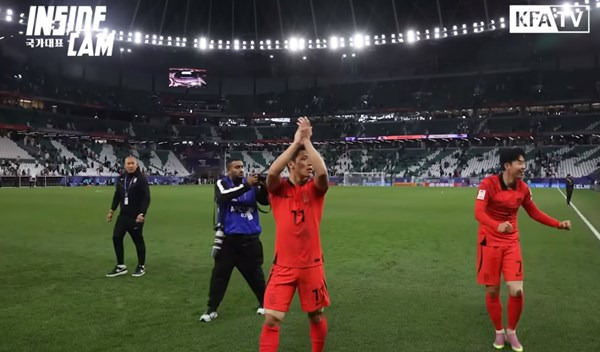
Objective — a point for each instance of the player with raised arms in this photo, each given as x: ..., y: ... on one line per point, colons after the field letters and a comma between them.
x: 298, y: 261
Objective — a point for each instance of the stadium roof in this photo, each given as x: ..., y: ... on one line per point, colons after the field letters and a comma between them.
x: 140, y: 24
x: 278, y: 19
x: 274, y: 24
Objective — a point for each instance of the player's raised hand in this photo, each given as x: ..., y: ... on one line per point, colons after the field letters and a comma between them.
x: 297, y: 135
x: 565, y: 225
x: 304, y: 127
x: 505, y: 227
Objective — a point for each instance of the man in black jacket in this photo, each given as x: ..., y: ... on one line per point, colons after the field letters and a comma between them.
x: 133, y: 194
x: 570, y: 186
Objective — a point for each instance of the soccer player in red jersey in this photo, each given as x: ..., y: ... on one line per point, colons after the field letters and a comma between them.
x: 498, y: 248
x: 298, y: 262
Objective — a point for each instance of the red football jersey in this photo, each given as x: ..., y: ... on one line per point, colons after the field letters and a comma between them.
x: 497, y: 203
x: 297, y: 210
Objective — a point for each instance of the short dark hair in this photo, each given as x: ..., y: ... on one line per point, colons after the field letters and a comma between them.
x: 508, y: 155
x: 228, y: 164
x: 295, y: 155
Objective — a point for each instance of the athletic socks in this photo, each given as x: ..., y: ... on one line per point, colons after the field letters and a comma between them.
x: 515, y: 307
x: 318, y: 333
x: 494, y: 308
x: 269, y: 339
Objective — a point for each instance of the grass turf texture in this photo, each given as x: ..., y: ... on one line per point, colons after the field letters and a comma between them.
x: 400, y: 265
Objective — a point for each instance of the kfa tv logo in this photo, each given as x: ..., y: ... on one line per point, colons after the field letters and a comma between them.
x: 549, y: 19
x: 48, y: 25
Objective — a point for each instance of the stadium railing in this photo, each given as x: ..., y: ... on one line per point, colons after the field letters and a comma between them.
x: 23, y: 181
x: 73, y: 181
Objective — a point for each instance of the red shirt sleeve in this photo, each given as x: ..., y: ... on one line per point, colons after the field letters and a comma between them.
x: 536, y: 214
x: 481, y: 204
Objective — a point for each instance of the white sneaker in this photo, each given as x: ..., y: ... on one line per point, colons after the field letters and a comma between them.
x: 207, y: 317
x: 117, y: 271
x: 500, y: 339
x: 260, y: 311
x: 139, y: 271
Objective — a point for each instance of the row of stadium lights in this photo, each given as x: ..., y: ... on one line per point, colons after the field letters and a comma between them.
x: 294, y: 44
x: 299, y: 44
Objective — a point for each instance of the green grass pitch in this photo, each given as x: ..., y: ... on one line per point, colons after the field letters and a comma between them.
x: 400, y: 265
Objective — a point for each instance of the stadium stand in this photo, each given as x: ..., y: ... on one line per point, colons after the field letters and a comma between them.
x: 77, y: 127
x: 578, y: 161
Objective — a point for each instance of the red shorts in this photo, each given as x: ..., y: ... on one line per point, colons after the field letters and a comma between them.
x: 493, y: 261
x: 283, y: 282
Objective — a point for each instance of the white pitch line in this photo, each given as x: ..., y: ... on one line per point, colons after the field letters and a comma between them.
x: 592, y: 228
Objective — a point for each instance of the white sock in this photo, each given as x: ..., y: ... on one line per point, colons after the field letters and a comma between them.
x: 121, y: 266
x: 499, y: 331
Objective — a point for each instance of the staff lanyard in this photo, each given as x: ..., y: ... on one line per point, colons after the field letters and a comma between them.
x: 127, y: 188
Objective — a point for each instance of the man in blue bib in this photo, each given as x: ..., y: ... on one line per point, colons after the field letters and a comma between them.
x: 237, y: 242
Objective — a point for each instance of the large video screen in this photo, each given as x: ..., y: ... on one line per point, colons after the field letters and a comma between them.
x: 187, y: 77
